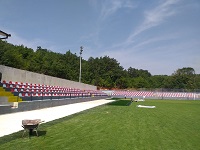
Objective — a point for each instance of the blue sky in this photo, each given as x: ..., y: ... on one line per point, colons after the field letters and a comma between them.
x: 160, y: 36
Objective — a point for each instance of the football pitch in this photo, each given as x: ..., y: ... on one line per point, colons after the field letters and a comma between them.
x: 173, y: 124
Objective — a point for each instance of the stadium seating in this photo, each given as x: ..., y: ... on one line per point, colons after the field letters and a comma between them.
x: 9, y: 95
x: 175, y: 94
x: 133, y: 93
x: 31, y: 91
x: 154, y: 94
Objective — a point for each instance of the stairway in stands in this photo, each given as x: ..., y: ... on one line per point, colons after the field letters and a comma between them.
x: 7, y: 98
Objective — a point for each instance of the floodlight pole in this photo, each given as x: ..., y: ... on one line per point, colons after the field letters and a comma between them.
x: 194, y: 84
x: 81, y: 50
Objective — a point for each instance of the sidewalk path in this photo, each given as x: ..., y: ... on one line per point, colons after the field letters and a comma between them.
x: 10, y: 123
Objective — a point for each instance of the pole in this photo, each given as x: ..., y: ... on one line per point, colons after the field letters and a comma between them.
x: 81, y: 50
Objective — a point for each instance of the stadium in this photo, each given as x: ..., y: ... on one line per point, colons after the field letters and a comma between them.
x: 72, y: 120
x: 135, y: 85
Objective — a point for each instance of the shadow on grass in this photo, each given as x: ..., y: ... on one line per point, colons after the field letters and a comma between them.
x: 40, y: 133
x: 120, y: 103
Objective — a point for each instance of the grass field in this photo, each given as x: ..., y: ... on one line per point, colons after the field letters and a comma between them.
x: 172, y: 125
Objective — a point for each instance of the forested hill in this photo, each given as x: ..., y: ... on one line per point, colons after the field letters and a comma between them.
x: 103, y: 72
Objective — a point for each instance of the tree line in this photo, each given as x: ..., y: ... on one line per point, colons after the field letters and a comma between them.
x: 104, y: 72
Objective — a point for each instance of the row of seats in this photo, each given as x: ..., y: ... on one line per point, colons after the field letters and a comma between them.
x: 26, y: 84
x: 25, y: 94
x: 29, y: 91
x: 174, y: 94
x: 40, y: 90
x: 154, y: 94
x: 133, y: 93
x: 35, y: 86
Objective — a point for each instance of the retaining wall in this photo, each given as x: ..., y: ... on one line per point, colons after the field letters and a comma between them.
x: 18, y: 75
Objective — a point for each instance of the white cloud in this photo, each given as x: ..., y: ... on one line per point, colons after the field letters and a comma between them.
x: 158, y: 53
x: 107, y: 9
x: 154, y: 18
x: 111, y: 7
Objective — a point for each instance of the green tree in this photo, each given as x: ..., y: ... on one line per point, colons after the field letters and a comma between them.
x: 100, y: 71
x: 184, y: 71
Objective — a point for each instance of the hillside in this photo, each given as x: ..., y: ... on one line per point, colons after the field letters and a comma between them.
x: 103, y: 72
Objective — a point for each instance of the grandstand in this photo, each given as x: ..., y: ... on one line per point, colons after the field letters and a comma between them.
x: 156, y: 95
x: 132, y: 93
x: 15, y: 91
x: 30, y: 91
x: 17, y: 87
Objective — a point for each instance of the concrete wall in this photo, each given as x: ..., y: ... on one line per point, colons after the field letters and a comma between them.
x: 34, y: 105
x: 17, y: 75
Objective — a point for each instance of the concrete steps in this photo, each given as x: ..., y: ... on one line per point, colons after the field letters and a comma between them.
x: 14, y: 99
x: 7, y: 97
x: 4, y: 93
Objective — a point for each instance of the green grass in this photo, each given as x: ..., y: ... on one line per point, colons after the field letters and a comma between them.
x: 173, y: 124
